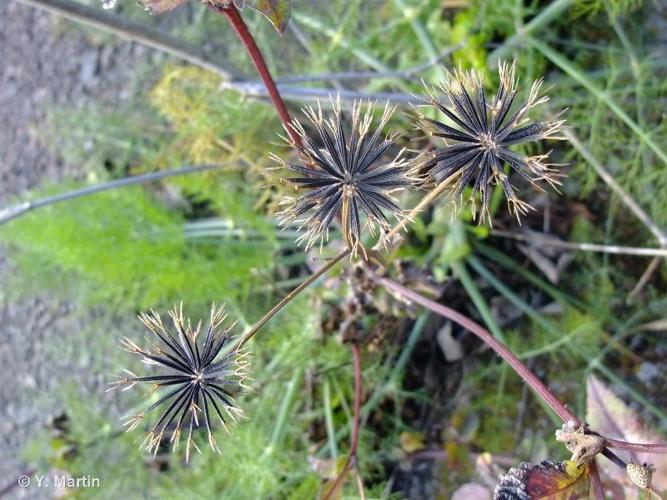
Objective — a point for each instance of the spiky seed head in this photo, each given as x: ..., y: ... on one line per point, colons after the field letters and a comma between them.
x: 199, y: 381
x: 480, y: 136
x: 341, y: 174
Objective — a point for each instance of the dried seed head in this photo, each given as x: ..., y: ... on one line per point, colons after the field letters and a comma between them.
x: 479, y: 140
x: 343, y: 177
x: 200, y: 378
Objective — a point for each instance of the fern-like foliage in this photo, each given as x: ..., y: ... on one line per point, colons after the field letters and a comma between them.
x: 209, y: 122
x: 131, y: 250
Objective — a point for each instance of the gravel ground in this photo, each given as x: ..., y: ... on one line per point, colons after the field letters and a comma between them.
x: 43, y: 62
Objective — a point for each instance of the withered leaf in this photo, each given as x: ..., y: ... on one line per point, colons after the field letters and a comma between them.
x: 276, y: 11
x: 611, y: 417
x: 160, y: 6
x: 555, y: 481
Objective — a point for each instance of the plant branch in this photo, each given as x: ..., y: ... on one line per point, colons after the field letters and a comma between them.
x: 9, y: 213
x: 354, y: 443
x: 290, y: 296
x: 546, y: 16
x: 295, y: 93
x: 638, y: 447
x: 246, y: 37
x: 596, y: 482
x: 614, y: 186
x: 567, y: 67
x: 535, y: 237
x: 158, y: 40
x: 563, y: 412
x: 424, y: 202
x: 132, y: 31
x: 522, y: 370
x: 369, y: 75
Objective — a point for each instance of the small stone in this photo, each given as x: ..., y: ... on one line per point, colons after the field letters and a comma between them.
x: 648, y: 371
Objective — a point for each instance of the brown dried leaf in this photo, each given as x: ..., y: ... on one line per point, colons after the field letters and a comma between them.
x: 160, y: 6
x: 611, y: 417
x: 276, y: 11
x: 556, y: 481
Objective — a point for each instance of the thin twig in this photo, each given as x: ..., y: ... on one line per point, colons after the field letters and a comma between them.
x: 293, y: 93
x: 638, y: 447
x: 360, y: 485
x: 424, y: 202
x: 573, y: 71
x: 363, y: 75
x: 536, y: 237
x: 135, y: 32
x: 614, y: 186
x: 175, y: 47
x: 596, y: 482
x: 644, y: 278
x: 9, y: 213
x: 522, y: 370
x: 354, y: 443
x: 563, y: 412
x: 553, y: 11
x: 248, y: 40
x: 290, y: 296
x: 163, y: 42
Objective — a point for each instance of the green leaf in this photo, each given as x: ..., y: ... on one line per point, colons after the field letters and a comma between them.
x: 276, y: 11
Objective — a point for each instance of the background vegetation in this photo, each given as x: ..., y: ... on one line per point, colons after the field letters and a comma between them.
x: 430, y: 390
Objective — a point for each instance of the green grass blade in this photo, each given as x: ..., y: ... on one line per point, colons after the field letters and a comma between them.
x: 556, y: 58
x: 548, y: 15
x: 507, y: 262
x: 477, y: 299
x: 328, y: 419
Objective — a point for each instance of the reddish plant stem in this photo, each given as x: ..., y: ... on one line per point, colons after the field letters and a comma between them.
x: 535, y: 383
x: 248, y: 40
x: 354, y: 443
x: 522, y: 370
x: 499, y: 348
x: 638, y: 447
x: 596, y: 482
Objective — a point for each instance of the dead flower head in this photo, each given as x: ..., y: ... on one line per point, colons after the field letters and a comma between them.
x: 343, y: 176
x: 199, y: 380
x: 478, y: 143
